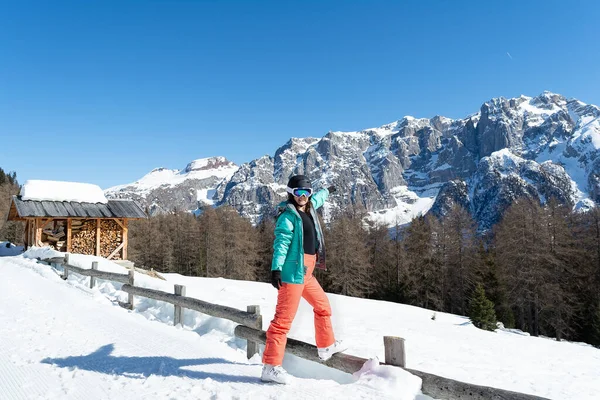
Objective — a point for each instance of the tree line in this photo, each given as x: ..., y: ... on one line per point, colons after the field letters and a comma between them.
x: 539, y: 266
x: 9, y: 186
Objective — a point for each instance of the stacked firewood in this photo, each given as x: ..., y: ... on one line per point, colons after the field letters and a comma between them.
x: 110, y: 238
x: 54, y: 235
x: 83, y: 236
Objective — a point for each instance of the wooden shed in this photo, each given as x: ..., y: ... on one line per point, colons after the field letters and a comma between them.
x: 76, y: 227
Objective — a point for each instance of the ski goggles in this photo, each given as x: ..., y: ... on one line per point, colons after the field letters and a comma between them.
x: 299, y: 192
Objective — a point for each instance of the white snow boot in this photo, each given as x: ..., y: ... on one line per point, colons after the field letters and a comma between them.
x: 275, y: 373
x: 326, y: 352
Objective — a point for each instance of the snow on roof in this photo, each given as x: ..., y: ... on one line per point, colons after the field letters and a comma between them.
x: 62, y: 191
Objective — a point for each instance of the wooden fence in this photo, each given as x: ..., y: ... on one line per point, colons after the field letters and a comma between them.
x: 250, y: 328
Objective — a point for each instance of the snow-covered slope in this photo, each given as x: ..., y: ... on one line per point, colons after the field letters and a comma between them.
x: 65, y: 341
x: 165, y: 189
x: 69, y: 341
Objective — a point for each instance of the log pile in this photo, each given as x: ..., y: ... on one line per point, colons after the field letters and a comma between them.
x: 83, y: 236
x: 110, y: 238
x: 54, y: 235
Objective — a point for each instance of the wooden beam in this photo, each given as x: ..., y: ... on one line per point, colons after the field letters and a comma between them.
x: 109, y: 276
x: 98, y: 237
x: 394, y: 351
x: 340, y: 361
x: 178, y: 317
x: 252, y: 348
x: 31, y: 232
x: 69, y: 225
x: 115, y: 251
x: 26, y: 234
x: 44, y: 223
x: 118, y: 222
x: 125, y: 240
x: 215, y: 310
x: 38, y: 233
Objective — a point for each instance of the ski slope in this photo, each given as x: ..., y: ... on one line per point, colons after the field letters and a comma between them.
x: 64, y: 341
x: 73, y: 342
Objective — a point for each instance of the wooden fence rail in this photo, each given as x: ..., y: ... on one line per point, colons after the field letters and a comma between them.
x: 433, y: 385
x: 250, y: 328
x: 215, y: 310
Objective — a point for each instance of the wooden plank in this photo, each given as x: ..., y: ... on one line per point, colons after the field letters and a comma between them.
x: 98, y: 237
x: 69, y: 233
x: 216, y: 310
x: 178, y: 317
x: 115, y: 251
x: 55, y: 260
x: 340, y: 361
x: 38, y: 233
x: 433, y: 385
x: 394, y: 351
x: 252, y: 347
x: 26, y: 234
x: 440, y: 387
x: 109, y: 276
x: 125, y: 240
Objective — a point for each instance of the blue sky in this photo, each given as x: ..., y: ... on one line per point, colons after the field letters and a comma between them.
x: 104, y: 91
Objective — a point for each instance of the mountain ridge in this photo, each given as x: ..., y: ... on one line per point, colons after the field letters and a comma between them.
x: 397, y: 170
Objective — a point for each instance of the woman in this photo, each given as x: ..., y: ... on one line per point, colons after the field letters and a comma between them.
x: 298, y: 249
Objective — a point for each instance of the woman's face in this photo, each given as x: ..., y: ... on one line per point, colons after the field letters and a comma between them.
x: 301, y: 201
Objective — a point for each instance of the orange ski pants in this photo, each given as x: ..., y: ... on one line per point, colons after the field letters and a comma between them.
x: 288, y: 300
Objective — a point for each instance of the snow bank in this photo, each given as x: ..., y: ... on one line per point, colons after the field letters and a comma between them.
x: 389, y: 379
x: 62, y: 191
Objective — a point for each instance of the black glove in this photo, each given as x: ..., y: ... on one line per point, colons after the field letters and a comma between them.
x: 276, y: 279
x: 331, y: 189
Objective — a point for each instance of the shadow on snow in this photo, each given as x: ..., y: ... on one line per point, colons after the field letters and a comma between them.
x: 142, y: 367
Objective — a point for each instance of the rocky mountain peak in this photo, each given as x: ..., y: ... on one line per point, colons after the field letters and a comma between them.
x: 541, y: 147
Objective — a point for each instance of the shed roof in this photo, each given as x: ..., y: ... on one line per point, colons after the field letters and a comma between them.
x: 117, y: 208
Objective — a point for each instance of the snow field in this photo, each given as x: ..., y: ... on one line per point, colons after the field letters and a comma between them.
x: 448, y: 346
x: 67, y: 341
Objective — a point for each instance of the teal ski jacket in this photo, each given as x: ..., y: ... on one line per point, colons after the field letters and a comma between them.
x: 288, y: 247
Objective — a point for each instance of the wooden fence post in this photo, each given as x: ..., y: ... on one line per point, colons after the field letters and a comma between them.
x: 394, y: 351
x: 93, y: 278
x: 65, y: 267
x: 130, y: 300
x: 178, y: 318
x: 253, y: 347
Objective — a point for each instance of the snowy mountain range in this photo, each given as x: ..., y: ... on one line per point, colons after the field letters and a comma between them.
x: 545, y: 146
x: 165, y: 190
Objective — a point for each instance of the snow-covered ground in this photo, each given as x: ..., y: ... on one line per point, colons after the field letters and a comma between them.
x: 63, y: 340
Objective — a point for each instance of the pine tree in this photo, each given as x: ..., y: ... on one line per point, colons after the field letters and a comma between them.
x: 383, y: 271
x: 424, y: 274
x: 348, y: 257
x: 460, y: 256
x: 12, y: 231
x: 481, y: 310
x: 265, y: 237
